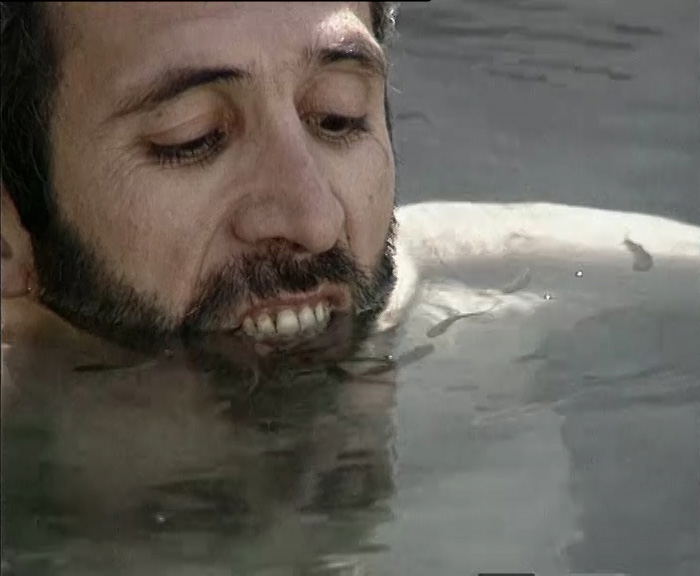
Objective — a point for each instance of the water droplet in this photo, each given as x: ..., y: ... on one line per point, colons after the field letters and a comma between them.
x: 579, y: 273
x: 547, y: 296
x: 160, y: 518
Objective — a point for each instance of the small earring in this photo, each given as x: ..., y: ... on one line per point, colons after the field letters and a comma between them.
x: 29, y: 281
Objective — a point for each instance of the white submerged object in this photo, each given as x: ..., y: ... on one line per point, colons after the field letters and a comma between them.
x: 435, y: 239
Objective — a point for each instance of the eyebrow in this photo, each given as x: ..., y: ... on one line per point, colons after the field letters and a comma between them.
x: 173, y: 82
x: 358, y: 51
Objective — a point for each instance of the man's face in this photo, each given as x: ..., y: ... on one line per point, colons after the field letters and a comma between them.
x: 218, y: 166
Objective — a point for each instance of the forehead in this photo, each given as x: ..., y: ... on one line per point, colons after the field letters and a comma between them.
x: 176, y: 30
x: 108, y: 48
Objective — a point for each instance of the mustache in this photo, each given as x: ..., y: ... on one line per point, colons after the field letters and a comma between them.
x: 269, y: 275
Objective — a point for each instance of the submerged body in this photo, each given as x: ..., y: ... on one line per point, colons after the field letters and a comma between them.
x: 439, y: 237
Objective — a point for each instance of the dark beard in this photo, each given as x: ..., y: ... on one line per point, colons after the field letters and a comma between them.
x: 74, y: 284
x: 278, y: 271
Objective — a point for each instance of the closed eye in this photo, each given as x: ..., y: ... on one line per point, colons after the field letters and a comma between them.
x: 338, y: 128
x: 195, y: 151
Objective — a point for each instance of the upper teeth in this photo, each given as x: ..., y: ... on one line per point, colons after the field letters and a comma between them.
x: 287, y: 322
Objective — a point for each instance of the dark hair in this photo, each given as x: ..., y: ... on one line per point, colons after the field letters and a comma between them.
x: 383, y: 20
x: 29, y: 77
x: 30, y: 73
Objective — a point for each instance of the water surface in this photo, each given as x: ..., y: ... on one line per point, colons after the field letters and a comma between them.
x: 551, y: 427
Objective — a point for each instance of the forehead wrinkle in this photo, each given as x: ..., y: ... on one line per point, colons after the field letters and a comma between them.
x: 75, y: 21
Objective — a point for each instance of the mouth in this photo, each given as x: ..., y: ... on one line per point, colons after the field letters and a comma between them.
x: 293, y: 315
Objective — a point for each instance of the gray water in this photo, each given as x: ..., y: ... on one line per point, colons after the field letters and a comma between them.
x: 557, y: 434
x: 589, y: 103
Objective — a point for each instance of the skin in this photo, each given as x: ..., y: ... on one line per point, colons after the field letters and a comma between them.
x: 285, y: 167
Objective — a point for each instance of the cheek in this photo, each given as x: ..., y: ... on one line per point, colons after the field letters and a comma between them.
x: 164, y: 230
x: 146, y: 228
x: 368, y: 197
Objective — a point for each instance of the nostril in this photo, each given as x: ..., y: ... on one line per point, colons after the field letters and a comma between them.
x: 284, y: 245
x: 296, y: 247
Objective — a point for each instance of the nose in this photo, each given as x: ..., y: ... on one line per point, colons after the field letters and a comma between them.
x: 292, y: 199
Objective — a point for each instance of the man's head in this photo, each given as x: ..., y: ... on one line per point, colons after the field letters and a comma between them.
x: 205, y: 166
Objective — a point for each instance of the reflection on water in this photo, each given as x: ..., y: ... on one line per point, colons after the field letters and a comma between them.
x: 192, y: 460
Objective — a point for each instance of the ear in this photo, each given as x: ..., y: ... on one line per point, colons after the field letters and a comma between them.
x: 17, y: 257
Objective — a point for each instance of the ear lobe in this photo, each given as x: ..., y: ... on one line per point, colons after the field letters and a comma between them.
x: 15, y: 278
x: 17, y: 265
